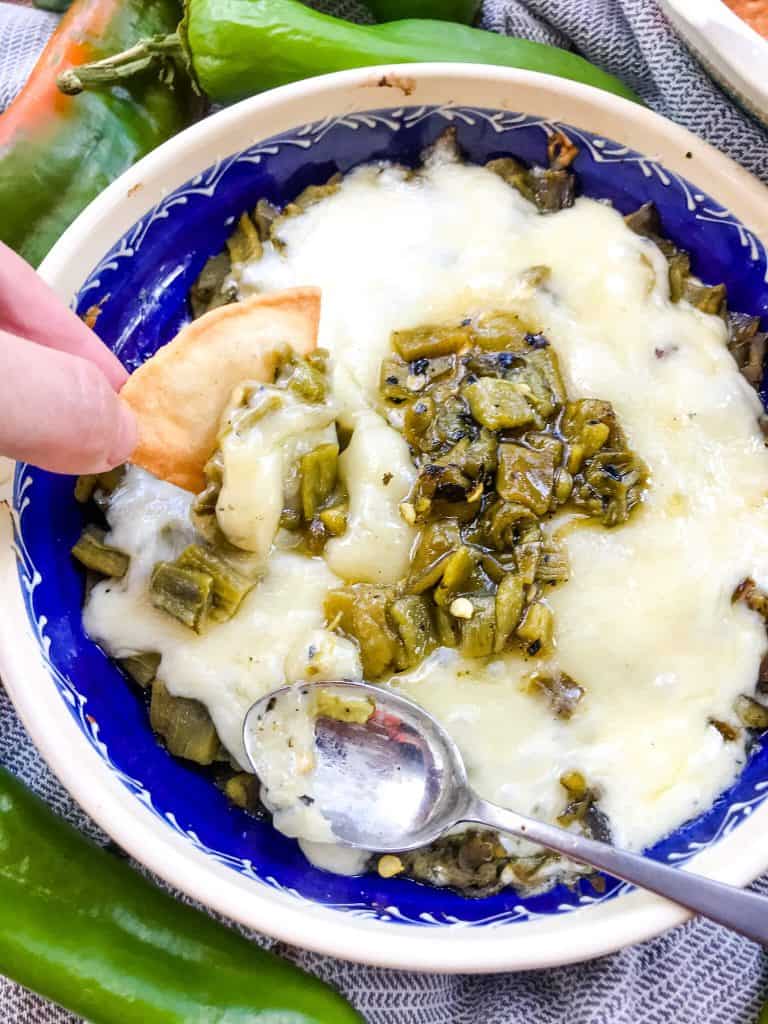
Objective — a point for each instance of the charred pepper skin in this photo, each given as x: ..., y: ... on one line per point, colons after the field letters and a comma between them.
x: 82, y: 928
x: 56, y: 153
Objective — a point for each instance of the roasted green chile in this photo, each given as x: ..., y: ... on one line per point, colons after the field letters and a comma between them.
x: 82, y: 928
x: 235, y: 48
x: 57, y: 154
x: 498, y: 448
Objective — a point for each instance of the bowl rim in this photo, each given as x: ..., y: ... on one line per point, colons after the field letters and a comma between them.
x: 551, y: 940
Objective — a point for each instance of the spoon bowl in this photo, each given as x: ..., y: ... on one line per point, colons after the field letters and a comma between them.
x: 392, y: 783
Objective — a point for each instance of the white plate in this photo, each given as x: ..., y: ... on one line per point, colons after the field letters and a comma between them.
x: 733, y: 53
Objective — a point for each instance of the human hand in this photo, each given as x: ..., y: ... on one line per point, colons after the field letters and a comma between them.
x: 59, y: 407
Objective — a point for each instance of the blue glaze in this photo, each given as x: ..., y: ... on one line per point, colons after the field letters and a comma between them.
x: 142, y: 287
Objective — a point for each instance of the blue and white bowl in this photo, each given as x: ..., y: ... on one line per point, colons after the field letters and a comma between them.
x: 135, y: 252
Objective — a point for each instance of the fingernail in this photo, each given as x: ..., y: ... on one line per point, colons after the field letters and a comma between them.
x: 126, y: 437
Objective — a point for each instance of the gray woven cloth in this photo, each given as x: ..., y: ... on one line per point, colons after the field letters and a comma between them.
x: 697, y: 974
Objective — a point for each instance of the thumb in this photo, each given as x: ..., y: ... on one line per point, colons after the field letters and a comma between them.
x: 59, y: 411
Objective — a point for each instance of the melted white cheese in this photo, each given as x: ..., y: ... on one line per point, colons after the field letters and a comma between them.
x: 233, y: 664
x: 378, y: 473
x: 282, y: 744
x: 645, y: 623
x: 255, y: 461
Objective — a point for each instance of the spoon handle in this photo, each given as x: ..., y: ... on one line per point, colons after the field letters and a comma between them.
x: 741, y: 911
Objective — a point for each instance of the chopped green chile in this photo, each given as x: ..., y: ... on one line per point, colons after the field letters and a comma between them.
x: 318, y: 470
x: 456, y: 570
x: 184, y: 726
x: 429, y: 342
x: 343, y: 709
x: 580, y: 809
x: 526, y: 477
x: 747, y: 345
x: 229, y: 585
x: 91, y: 551
x: 552, y: 566
x: 471, y: 862
x: 257, y: 401
x: 562, y: 692
x: 440, y: 481
x: 434, y: 541
x: 211, y: 290
x: 315, y: 505
x: 536, y: 631
x: 434, y: 545
x: 498, y: 404
x: 498, y: 448
x: 574, y: 784
x: 446, y: 628
x: 496, y: 566
x: 186, y: 594
x: 86, y: 486
x: 411, y: 618
x: 305, y: 376
x: 549, y: 189
x: 473, y: 458
x: 244, y: 244
x: 502, y: 331
x: 243, y: 789
x: 528, y: 553
x: 753, y: 597
x: 707, y: 298
x: 478, y: 633
x: 203, y: 512
x: 360, y: 612
x: 611, y: 486
x: 307, y: 380
x: 710, y: 299
x: 645, y: 221
x: 586, y: 427
x: 762, y: 676
x: 503, y: 523
x: 142, y: 668
x: 312, y: 194
x: 393, y: 381
x: 751, y: 713
x: 263, y: 216
x: 679, y: 272
x: 508, y: 609
x: 334, y: 519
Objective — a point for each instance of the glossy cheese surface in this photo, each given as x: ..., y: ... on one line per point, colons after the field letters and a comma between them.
x: 645, y: 623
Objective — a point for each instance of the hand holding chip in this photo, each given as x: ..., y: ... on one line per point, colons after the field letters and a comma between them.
x: 59, y: 407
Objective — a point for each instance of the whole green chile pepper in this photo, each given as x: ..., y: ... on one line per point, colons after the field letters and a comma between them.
x: 81, y: 927
x: 235, y: 48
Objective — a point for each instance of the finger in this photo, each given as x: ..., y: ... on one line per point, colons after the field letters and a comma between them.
x: 59, y: 411
x: 29, y: 308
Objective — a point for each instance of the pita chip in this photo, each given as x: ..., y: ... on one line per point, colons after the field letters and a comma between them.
x: 179, y: 394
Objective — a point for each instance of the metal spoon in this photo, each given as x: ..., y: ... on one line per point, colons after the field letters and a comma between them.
x: 398, y: 781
